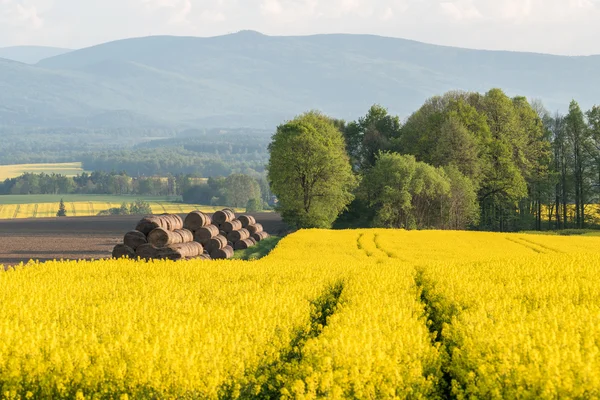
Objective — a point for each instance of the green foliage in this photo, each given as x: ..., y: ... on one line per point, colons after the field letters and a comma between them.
x: 254, y: 205
x: 462, y: 208
x: 262, y: 249
x: 239, y: 189
x: 140, y: 207
x: 96, y: 182
x: 234, y: 191
x: 500, y: 144
x: 62, y: 210
x: 199, y: 194
x: 414, y: 195
x: 372, y: 133
x: 310, y: 172
x: 578, y: 135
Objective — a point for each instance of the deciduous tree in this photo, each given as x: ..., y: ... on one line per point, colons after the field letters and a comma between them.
x: 310, y: 172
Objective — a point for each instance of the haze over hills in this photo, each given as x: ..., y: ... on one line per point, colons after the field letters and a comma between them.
x: 252, y: 80
x: 30, y: 54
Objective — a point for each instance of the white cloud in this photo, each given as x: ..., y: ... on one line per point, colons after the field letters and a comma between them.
x: 271, y: 7
x: 20, y: 14
x: 387, y: 14
x: 176, y: 11
x: 461, y: 10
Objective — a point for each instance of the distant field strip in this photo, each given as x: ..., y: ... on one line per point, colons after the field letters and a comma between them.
x: 67, y: 169
x: 91, y: 208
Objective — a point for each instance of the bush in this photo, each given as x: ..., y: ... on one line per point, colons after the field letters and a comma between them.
x: 140, y: 207
x: 254, y: 205
x: 62, y: 210
x: 199, y: 194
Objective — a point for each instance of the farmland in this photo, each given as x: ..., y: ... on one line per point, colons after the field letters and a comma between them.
x: 43, y: 206
x: 338, y: 314
x: 15, y: 170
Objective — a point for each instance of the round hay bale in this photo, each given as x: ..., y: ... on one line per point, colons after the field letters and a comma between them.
x: 244, y: 244
x: 204, y: 234
x: 148, y: 224
x: 247, y: 220
x: 260, y: 236
x: 252, y: 240
x: 122, y: 250
x: 231, y: 226
x: 216, y: 243
x: 169, y: 222
x: 255, y: 228
x: 187, y: 250
x: 146, y: 251
x: 196, y: 220
x: 160, y: 237
x: 236, y: 236
x: 172, y: 252
x: 174, y: 222
x: 222, y: 254
x: 205, y: 257
x: 225, y: 215
x: 134, y: 239
x: 186, y: 234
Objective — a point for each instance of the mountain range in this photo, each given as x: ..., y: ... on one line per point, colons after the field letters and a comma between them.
x: 248, y: 79
x: 30, y: 54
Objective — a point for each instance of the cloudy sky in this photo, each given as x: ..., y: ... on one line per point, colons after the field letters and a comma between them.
x: 550, y: 26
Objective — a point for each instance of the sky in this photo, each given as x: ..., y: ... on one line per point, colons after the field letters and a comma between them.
x: 568, y: 27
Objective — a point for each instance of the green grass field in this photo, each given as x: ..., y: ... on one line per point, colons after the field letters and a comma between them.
x: 262, y: 249
x: 14, y: 170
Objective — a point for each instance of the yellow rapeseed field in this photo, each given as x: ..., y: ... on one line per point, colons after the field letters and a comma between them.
x: 92, y: 208
x: 15, y: 170
x: 365, y: 314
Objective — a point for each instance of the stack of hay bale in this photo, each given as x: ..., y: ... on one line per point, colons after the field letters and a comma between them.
x: 226, y: 233
x: 167, y: 236
x: 159, y: 237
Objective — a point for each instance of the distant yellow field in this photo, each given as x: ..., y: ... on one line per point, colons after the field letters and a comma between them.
x: 67, y: 169
x: 91, y: 208
x: 592, y: 213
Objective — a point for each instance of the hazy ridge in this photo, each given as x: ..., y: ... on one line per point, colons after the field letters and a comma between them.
x: 253, y: 80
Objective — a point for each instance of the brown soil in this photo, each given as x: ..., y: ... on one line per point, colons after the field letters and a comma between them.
x: 76, y: 238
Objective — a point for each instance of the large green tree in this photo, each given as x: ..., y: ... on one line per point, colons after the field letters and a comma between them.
x: 577, y: 134
x: 593, y: 117
x: 406, y: 193
x: 376, y: 131
x: 310, y: 172
x: 534, y: 157
x: 240, y: 188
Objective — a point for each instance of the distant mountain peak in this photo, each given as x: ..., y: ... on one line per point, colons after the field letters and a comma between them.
x: 249, y: 32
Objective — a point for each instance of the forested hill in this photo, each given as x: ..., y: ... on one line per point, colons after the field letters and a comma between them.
x: 253, y: 80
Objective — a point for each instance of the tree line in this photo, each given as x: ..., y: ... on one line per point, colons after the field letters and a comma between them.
x: 235, y: 190
x: 98, y: 182
x: 463, y: 160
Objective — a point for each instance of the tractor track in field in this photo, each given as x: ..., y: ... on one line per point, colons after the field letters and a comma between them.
x: 76, y: 238
x: 287, y: 366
